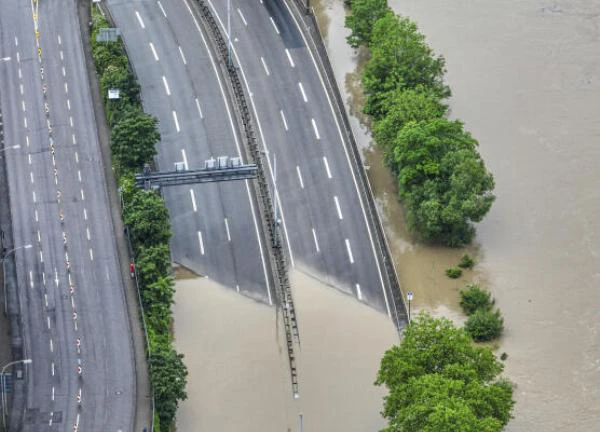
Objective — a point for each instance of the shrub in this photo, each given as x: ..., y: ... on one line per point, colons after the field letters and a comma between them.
x: 473, y: 298
x: 485, y: 325
x: 453, y: 272
x: 466, y: 262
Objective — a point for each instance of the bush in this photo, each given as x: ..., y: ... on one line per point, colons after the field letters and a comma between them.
x: 473, y: 298
x: 466, y: 262
x: 484, y: 325
x: 453, y: 272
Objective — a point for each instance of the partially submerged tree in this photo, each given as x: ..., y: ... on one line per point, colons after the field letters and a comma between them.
x: 438, y: 381
x: 364, y: 15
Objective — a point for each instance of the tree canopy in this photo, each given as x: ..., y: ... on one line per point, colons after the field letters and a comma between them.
x: 402, y: 106
x: 442, y: 180
x: 147, y: 219
x: 400, y: 58
x: 133, y: 138
x: 169, y: 376
x: 438, y: 381
x: 364, y: 15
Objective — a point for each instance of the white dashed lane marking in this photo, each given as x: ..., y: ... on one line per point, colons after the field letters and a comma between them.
x: 153, y: 51
x: 139, y: 18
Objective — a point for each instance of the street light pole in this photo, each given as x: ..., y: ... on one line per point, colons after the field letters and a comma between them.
x: 4, y: 256
x: 2, y: 376
x: 409, y: 296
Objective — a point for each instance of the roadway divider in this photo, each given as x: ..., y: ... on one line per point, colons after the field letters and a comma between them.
x: 310, y: 28
x: 283, y: 290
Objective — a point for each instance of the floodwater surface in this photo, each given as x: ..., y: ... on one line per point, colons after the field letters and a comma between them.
x: 239, y: 375
x: 525, y: 76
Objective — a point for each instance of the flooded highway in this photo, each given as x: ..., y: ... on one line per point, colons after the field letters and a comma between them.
x: 525, y: 76
x: 239, y: 376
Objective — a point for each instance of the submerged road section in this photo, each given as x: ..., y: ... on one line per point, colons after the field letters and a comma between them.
x: 216, y: 227
x: 70, y: 293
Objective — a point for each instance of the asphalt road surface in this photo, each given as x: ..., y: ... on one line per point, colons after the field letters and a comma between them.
x: 318, y: 202
x: 322, y: 211
x: 70, y: 288
x: 216, y: 227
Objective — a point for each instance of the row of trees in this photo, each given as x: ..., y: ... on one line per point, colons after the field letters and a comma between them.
x: 134, y: 135
x: 438, y: 381
x: 443, y: 182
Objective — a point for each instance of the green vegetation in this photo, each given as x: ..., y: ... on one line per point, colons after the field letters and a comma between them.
x: 364, y: 14
x: 443, y: 182
x: 473, y: 298
x: 400, y: 59
x: 466, y: 262
x: 439, y: 381
x: 484, y: 325
x: 133, y: 138
x: 453, y: 272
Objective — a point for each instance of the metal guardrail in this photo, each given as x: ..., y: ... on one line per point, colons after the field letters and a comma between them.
x: 283, y: 289
x: 307, y: 16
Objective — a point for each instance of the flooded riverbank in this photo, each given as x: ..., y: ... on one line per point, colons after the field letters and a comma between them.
x: 525, y: 76
x: 239, y: 375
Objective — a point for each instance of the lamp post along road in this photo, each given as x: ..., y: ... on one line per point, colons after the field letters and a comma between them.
x: 3, y: 385
x: 409, y: 296
x: 4, y: 256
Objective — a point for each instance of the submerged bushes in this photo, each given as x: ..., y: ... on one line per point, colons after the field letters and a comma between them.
x: 443, y: 182
x: 133, y: 138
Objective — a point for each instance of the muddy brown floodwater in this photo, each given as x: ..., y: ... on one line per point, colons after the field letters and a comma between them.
x: 525, y: 76
x: 239, y: 375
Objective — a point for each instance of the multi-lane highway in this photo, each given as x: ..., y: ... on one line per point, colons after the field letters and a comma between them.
x: 321, y: 210
x: 75, y: 323
x: 216, y: 227
x: 323, y: 214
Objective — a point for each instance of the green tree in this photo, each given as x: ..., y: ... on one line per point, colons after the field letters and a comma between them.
x: 432, y: 345
x: 473, y: 298
x: 484, y: 325
x: 403, y: 106
x: 363, y: 17
x: 157, y: 299
x: 442, y: 180
x: 133, y: 139
x: 400, y: 58
x: 438, y: 381
x: 117, y: 75
x: 147, y: 219
x: 169, y: 376
x: 153, y: 262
